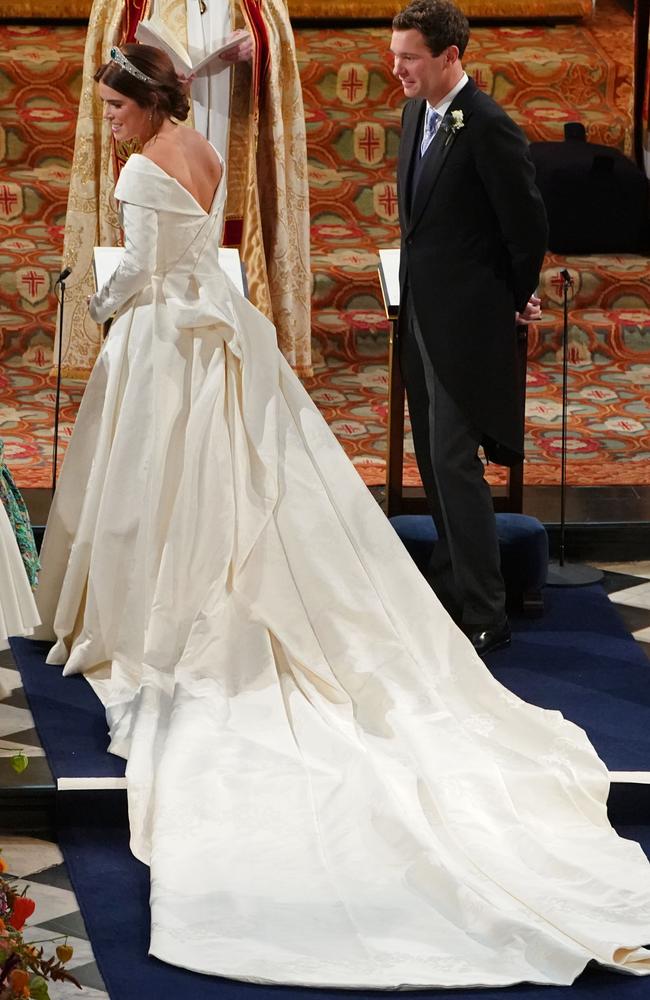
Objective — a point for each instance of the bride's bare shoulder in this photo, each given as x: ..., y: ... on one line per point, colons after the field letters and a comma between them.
x: 188, y: 159
x: 174, y: 151
x: 199, y: 145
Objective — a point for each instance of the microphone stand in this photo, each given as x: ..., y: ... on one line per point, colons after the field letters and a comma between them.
x: 560, y: 573
x: 60, y: 282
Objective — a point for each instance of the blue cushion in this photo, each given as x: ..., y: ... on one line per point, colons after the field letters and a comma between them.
x: 523, y: 543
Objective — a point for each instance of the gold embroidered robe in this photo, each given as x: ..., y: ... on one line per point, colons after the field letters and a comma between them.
x: 267, y: 183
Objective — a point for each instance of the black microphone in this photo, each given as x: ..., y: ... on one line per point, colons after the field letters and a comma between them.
x: 65, y: 273
x: 564, y: 274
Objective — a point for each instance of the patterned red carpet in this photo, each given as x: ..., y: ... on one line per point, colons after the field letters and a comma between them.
x: 544, y: 76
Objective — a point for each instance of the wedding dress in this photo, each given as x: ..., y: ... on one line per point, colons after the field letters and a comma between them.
x: 327, y: 783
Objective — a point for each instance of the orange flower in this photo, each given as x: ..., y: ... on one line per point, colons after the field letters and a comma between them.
x: 19, y: 979
x: 3, y: 865
x: 23, y: 908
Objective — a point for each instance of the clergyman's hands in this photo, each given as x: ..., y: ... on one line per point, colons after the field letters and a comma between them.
x: 532, y: 312
x: 242, y: 52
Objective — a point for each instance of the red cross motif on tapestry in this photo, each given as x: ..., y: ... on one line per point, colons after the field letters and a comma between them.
x: 480, y: 78
x: 369, y: 143
x: 8, y: 199
x: 385, y: 201
x: 352, y: 83
x: 32, y: 283
x: 32, y: 280
x: 558, y: 285
x: 42, y: 359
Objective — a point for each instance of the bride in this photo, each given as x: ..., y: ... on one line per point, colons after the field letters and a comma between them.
x: 327, y: 784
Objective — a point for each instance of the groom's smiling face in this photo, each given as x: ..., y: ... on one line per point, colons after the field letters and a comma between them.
x: 420, y: 72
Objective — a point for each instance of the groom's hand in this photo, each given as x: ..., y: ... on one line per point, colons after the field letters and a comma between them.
x: 532, y: 312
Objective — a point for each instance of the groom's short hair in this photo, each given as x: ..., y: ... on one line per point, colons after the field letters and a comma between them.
x: 440, y: 22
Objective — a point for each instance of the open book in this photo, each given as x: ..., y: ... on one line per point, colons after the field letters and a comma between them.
x: 155, y: 32
x: 106, y: 259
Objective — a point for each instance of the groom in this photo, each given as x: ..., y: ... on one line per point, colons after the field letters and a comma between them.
x: 473, y: 238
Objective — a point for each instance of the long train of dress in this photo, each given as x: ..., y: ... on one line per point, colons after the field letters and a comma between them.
x: 327, y: 783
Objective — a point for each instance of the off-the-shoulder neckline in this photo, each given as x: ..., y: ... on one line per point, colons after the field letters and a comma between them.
x: 175, y: 180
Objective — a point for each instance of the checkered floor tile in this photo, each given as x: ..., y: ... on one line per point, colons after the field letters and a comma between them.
x: 38, y: 863
x: 628, y: 586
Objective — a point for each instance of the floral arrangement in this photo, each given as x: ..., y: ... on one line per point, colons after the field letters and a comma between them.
x: 24, y: 970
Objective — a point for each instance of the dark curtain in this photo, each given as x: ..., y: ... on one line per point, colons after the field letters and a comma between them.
x: 642, y: 83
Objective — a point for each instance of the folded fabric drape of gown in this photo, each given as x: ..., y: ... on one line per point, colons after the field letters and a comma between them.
x: 329, y: 787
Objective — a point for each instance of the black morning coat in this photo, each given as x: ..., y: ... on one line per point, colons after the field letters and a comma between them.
x: 474, y: 234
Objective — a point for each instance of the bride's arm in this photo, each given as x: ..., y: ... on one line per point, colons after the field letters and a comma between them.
x: 136, y: 267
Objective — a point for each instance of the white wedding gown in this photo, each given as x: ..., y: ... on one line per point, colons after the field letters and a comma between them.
x: 327, y: 783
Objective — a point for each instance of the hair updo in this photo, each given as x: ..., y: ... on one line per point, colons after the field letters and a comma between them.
x: 165, y: 96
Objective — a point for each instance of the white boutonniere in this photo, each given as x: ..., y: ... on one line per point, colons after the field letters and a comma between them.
x: 455, y: 125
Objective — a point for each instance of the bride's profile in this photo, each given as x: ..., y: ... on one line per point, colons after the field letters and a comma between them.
x: 329, y: 787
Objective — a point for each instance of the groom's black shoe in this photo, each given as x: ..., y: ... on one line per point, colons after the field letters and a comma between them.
x: 487, y: 638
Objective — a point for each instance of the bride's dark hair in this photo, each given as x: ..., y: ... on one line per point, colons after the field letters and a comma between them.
x: 163, y: 94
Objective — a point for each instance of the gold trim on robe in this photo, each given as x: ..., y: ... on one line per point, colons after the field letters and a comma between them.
x: 267, y: 184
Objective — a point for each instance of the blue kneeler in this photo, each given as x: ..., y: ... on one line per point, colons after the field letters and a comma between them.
x: 524, y: 554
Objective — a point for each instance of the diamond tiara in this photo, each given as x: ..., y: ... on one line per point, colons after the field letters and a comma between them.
x: 117, y: 56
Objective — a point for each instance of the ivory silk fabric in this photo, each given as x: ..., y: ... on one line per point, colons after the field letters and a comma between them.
x: 327, y: 783
x: 267, y: 143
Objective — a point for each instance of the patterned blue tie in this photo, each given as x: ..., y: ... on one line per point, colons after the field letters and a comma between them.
x: 431, y: 121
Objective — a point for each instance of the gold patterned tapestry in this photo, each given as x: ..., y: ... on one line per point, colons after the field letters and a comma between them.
x: 543, y: 76
x: 332, y: 10
x: 497, y: 10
